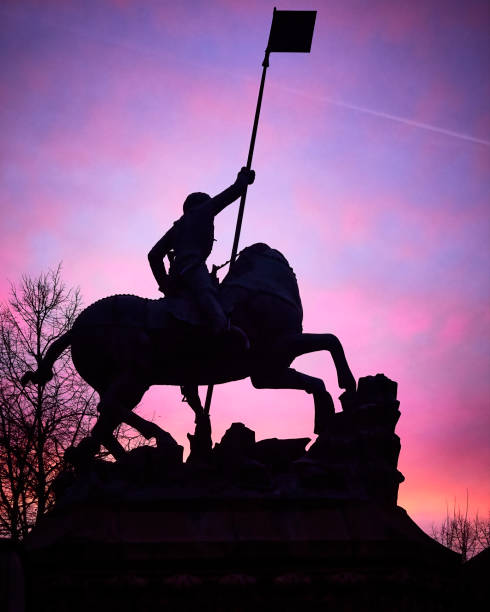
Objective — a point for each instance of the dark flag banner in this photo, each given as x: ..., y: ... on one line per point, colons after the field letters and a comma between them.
x: 291, y: 31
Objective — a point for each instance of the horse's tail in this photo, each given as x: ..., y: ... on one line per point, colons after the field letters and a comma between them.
x: 44, y: 372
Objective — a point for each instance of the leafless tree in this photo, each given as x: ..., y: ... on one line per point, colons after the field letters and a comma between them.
x: 482, y: 527
x: 38, y: 422
x: 464, y: 534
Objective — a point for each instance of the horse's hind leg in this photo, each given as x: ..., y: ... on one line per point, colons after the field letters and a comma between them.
x: 115, y: 407
x: 292, y: 379
x: 148, y: 429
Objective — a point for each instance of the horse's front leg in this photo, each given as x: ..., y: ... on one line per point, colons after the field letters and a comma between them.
x: 289, y: 378
x: 300, y: 344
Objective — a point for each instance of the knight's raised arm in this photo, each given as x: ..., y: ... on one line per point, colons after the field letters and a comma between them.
x: 155, y: 258
x: 222, y: 200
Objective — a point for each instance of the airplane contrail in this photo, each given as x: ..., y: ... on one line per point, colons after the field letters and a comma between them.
x: 411, y: 122
x: 390, y: 117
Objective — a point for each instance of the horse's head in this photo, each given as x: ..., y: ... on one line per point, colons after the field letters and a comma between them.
x: 254, y: 254
x: 261, y: 269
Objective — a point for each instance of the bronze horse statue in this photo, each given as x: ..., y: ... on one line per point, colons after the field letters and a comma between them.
x: 123, y: 344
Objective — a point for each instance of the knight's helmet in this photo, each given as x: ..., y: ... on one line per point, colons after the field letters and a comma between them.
x: 195, y: 199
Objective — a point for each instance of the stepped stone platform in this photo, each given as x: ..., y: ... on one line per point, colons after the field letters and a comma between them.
x: 259, y: 525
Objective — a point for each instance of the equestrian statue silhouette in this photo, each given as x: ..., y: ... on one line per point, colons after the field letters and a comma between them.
x: 123, y: 344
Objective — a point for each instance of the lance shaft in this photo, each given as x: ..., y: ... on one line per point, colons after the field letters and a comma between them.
x: 234, y: 250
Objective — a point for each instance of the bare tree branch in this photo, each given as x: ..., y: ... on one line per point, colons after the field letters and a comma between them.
x: 461, y: 533
x: 37, y: 424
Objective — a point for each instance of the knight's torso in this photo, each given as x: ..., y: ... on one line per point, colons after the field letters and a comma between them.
x: 193, y: 237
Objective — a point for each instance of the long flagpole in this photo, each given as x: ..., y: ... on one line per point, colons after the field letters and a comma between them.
x: 238, y: 228
x: 234, y: 250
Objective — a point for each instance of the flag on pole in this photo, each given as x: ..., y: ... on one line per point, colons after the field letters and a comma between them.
x: 291, y: 31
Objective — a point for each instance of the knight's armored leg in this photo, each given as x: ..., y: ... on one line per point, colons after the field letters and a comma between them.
x: 200, y: 284
x: 204, y: 292
x: 219, y: 321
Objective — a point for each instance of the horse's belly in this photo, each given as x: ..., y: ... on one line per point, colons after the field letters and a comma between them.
x: 176, y: 356
x: 201, y: 369
x: 103, y: 353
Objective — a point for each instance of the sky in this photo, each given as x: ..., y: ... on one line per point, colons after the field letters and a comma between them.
x: 372, y: 162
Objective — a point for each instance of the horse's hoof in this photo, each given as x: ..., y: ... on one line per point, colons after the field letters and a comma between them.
x: 348, y: 383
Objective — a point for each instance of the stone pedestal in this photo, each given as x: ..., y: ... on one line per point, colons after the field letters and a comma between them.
x: 263, y: 525
x: 235, y: 554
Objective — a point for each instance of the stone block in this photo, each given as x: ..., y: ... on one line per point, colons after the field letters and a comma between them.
x: 279, y: 454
